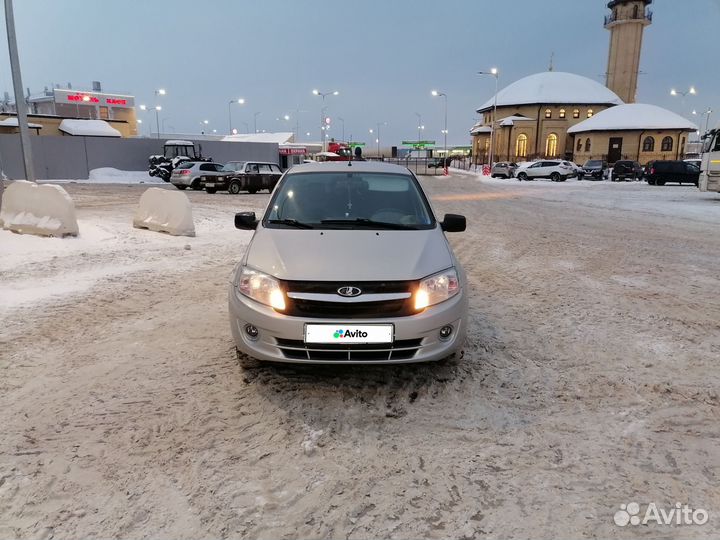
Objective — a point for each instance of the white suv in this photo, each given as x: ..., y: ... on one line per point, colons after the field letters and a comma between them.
x: 556, y: 170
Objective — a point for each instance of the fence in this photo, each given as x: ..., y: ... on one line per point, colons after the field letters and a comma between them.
x: 74, y: 157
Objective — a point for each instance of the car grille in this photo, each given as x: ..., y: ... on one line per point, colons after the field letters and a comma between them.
x: 317, y: 309
x: 295, y: 349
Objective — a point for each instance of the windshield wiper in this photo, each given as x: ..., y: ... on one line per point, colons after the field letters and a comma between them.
x: 365, y: 222
x: 291, y: 223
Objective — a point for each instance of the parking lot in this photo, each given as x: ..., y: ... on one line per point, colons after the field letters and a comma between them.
x: 589, y: 380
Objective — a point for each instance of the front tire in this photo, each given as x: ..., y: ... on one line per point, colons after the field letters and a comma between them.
x: 555, y: 177
x: 234, y: 187
x: 181, y: 187
x: 211, y: 190
x: 522, y: 177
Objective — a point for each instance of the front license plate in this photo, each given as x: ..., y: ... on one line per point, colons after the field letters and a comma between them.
x: 348, y: 333
x: 209, y: 184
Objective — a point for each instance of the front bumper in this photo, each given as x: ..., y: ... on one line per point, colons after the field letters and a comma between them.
x: 281, y: 338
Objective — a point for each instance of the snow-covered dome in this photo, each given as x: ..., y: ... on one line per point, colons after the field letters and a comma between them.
x: 633, y: 116
x: 554, y: 87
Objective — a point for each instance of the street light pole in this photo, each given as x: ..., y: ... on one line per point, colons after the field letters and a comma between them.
x: 20, y: 105
x: 255, y: 120
x: 158, y: 108
x: 322, y: 113
x: 494, y: 72
x: 419, y: 116
x: 240, y: 101
x: 445, y: 131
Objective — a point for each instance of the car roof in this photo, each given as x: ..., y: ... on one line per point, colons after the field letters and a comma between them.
x: 346, y: 166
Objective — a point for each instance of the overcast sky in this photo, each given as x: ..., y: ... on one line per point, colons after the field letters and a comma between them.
x: 383, y: 56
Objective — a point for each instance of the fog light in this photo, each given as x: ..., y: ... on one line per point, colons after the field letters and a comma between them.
x: 251, y: 331
x: 446, y: 332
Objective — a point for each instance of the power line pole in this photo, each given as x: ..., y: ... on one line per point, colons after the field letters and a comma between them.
x: 20, y: 104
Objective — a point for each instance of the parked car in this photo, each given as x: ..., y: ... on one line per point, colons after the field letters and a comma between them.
x: 678, y: 171
x: 188, y: 174
x: 577, y: 170
x: 597, y: 169
x: 553, y: 169
x: 625, y: 169
x: 357, y: 291
x: 437, y: 163
x: 250, y: 176
x: 504, y: 169
x: 694, y: 161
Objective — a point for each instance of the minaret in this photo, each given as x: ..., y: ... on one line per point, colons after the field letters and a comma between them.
x: 626, y: 24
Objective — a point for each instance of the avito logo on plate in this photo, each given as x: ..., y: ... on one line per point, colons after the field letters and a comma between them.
x: 629, y: 514
x: 350, y: 333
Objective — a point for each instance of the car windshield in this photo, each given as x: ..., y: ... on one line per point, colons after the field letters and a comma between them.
x: 233, y: 166
x: 331, y: 200
x: 594, y: 163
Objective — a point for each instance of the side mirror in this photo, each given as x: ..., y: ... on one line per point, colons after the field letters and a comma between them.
x: 453, y: 223
x: 246, y: 221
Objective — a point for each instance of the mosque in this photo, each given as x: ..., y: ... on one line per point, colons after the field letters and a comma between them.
x: 564, y: 115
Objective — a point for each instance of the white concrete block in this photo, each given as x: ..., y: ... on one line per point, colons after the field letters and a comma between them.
x: 42, y: 209
x: 167, y: 211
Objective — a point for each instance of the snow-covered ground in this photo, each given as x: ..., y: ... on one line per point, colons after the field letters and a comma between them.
x: 109, y: 175
x: 589, y: 380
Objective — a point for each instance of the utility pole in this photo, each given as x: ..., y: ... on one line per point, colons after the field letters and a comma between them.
x: 20, y: 104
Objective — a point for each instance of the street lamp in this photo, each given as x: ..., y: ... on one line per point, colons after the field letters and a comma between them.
x: 158, y: 108
x: 435, y: 93
x: 239, y: 101
x: 322, y: 112
x: 255, y: 115
x: 691, y: 91
x: 160, y: 92
x: 494, y: 73
x: 420, y: 126
x: 707, y: 114
x: 343, y: 128
x: 377, y: 138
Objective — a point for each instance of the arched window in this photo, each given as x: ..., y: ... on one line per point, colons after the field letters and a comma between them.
x: 548, y: 113
x: 551, y: 145
x: 579, y: 144
x: 635, y: 12
x: 587, y: 145
x: 576, y: 113
x: 562, y: 113
x: 590, y: 113
x: 521, y: 146
x: 649, y: 144
x: 667, y: 144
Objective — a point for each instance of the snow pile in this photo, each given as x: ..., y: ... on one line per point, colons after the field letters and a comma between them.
x: 46, y: 210
x: 634, y: 116
x: 553, y: 87
x: 88, y: 128
x: 109, y: 175
x: 165, y: 211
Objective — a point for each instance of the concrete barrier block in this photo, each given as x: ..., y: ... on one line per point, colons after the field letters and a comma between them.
x: 165, y: 211
x: 45, y: 210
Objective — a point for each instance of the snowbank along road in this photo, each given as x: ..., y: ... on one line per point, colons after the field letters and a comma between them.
x: 589, y: 380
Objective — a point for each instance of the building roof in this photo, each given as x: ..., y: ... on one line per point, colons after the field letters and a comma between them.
x: 277, y: 138
x: 88, y: 128
x: 634, y: 116
x: 553, y: 87
x: 510, y: 120
x: 480, y: 128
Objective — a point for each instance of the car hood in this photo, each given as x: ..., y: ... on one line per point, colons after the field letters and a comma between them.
x: 339, y: 255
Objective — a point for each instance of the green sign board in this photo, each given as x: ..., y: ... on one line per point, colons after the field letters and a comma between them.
x: 419, y: 144
x: 354, y: 144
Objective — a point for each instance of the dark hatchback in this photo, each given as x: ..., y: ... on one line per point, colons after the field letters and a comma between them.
x: 682, y: 172
x: 596, y: 169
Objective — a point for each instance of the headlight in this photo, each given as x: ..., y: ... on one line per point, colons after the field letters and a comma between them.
x: 260, y: 287
x: 437, y: 288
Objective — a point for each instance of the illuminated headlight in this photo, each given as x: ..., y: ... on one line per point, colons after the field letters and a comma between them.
x: 437, y: 288
x: 260, y: 287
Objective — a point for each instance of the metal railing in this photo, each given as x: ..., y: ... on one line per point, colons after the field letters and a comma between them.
x: 646, y: 15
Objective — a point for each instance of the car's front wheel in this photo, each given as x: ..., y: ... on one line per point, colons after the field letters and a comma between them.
x: 555, y: 177
x: 234, y: 187
x: 211, y: 190
x: 522, y: 177
x: 181, y: 187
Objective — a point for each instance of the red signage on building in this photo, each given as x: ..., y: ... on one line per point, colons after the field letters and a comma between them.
x: 83, y: 98
x: 292, y: 151
x: 115, y: 101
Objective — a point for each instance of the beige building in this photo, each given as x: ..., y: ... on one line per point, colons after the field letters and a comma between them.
x: 51, y: 107
x: 534, y: 115
x: 42, y: 124
x: 635, y: 131
x: 626, y: 24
